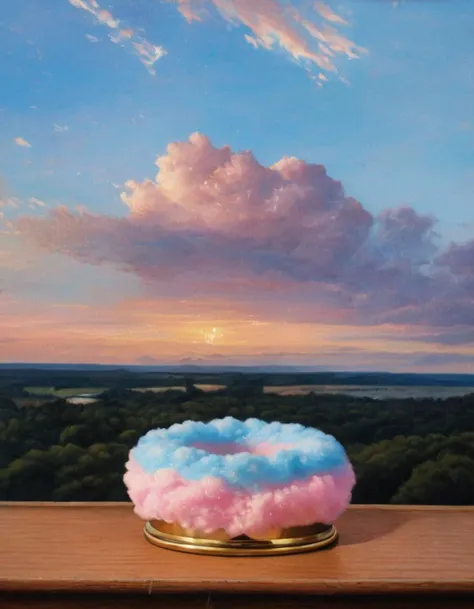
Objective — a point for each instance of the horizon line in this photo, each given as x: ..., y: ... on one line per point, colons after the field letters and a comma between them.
x: 217, y: 367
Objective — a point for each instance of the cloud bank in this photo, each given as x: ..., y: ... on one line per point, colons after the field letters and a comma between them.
x: 311, y: 37
x: 147, y: 53
x: 286, y: 240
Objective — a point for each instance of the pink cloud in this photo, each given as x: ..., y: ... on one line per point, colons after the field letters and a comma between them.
x: 326, y: 11
x: 20, y: 141
x: 270, y: 24
x: 285, y: 238
x: 213, y: 209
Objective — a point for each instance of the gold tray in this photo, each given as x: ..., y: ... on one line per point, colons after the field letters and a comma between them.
x: 278, y: 541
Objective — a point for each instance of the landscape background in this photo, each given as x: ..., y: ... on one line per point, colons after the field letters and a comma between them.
x: 255, y: 209
x: 57, y: 448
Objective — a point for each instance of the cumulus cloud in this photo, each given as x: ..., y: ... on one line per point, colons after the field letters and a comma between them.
x: 286, y: 236
x: 147, y: 52
x: 20, y: 141
x: 215, y: 208
x: 310, y: 37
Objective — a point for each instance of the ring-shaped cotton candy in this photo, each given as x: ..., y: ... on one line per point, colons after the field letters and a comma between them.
x: 249, y: 455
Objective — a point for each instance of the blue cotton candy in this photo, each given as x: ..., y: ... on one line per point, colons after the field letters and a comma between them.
x: 315, y: 453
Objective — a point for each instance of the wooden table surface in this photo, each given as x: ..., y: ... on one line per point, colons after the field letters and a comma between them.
x: 101, y: 548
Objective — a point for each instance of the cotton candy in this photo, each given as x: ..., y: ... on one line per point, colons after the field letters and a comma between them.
x: 243, y: 477
x: 270, y: 453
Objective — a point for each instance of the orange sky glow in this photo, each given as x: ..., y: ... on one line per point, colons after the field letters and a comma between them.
x: 174, y: 332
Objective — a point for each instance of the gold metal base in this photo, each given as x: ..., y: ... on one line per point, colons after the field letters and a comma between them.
x: 278, y: 541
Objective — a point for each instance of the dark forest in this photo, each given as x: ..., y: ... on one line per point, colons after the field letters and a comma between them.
x: 405, y: 451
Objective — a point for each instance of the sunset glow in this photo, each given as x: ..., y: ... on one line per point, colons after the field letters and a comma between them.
x: 254, y: 196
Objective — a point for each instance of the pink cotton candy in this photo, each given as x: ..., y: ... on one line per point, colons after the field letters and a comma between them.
x: 209, y: 504
x: 267, y: 449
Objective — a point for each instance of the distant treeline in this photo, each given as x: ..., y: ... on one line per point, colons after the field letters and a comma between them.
x: 63, y: 377
x: 404, y: 451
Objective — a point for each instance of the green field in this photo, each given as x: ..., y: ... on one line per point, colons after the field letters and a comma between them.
x: 63, y: 393
x: 178, y: 388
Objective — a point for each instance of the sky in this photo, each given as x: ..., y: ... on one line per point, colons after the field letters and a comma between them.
x: 238, y: 182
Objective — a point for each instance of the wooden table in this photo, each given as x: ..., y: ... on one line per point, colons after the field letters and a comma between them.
x: 94, y: 555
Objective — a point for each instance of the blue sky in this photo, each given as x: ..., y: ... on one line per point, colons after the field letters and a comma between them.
x: 397, y: 127
x: 401, y: 133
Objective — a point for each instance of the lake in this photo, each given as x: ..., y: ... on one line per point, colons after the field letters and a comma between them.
x: 383, y: 392
x: 81, y: 401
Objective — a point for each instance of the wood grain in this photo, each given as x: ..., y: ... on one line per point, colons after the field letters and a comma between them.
x: 100, y: 548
